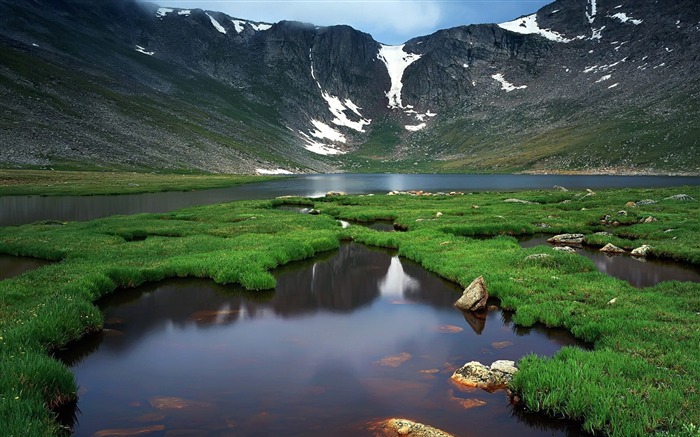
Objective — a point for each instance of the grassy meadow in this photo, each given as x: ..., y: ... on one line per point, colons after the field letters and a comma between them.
x: 639, y: 378
x: 82, y: 183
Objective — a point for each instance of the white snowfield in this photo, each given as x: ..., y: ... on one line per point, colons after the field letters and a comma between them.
x: 396, y: 61
x: 274, y: 171
x: 318, y: 147
x: 414, y: 128
x: 505, y: 85
x: 338, y: 108
x: 216, y: 24
x: 528, y: 26
x: 624, y: 18
x: 142, y: 50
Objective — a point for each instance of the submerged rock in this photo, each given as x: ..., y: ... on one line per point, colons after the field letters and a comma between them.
x: 128, y: 432
x: 489, y: 378
x: 611, y: 248
x: 401, y: 427
x: 474, y: 297
x: 566, y: 239
x: 642, y: 250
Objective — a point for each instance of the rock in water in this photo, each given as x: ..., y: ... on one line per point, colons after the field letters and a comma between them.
x: 642, y: 250
x: 611, y: 248
x: 566, y: 239
x: 398, y: 427
x: 474, y: 297
x: 490, y: 378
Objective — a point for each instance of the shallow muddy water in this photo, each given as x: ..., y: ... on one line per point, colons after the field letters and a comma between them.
x: 351, y: 337
x: 17, y: 210
x: 640, y: 272
x: 11, y: 266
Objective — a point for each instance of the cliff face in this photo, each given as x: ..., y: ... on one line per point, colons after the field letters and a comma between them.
x: 578, y: 85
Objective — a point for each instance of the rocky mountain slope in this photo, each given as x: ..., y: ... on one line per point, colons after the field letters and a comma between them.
x: 580, y: 85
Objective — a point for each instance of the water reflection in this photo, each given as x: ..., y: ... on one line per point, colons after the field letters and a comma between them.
x: 356, y: 335
x: 639, y: 272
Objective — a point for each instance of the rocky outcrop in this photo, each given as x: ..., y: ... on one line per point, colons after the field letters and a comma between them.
x: 567, y: 239
x: 490, y: 378
x: 474, y: 297
x: 404, y: 427
x: 683, y: 197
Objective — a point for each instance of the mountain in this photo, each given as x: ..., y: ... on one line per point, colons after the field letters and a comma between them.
x: 580, y: 85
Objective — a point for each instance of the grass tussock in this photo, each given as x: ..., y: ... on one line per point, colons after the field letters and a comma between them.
x: 641, y: 377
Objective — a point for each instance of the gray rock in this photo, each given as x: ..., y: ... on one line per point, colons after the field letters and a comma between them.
x: 474, y: 297
x: 399, y: 426
x: 649, y: 219
x: 560, y: 188
x: 566, y: 239
x: 683, y: 197
x: 524, y: 202
x: 538, y: 256
x: 566, y: 249
x: 336, y: 193
x: 646, y: 202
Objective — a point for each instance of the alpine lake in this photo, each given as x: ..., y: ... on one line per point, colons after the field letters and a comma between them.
x: 346, y: 339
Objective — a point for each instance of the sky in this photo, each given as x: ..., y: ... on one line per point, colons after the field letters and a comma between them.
x: 388, y: 21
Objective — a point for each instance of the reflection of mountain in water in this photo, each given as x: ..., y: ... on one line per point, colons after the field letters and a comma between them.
x: 345, y: 282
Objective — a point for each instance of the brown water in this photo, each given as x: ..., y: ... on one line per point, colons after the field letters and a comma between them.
x: 353, y: 336
x: 16, y: 265
x: 640, y: 272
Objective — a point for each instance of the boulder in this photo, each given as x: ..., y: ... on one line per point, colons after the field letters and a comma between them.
x: 649, y: 219
x: 560, y: 188
x: 566, y: 249
x: 314, y: 211
x: 566, y: 239
x: 400, y: 427
x: 474, y: 297
x: 611, y: 248
x: 537, y: 256
x: 438, y: 214
x: 525, y: 202
x: 646, y: 202
x: 642, y: 250
x: 631, y: 204
x: 683, y: 197
x: 489, y: 378
x: 336, y: 193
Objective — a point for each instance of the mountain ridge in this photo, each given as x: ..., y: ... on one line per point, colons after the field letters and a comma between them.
x: 138, y: 86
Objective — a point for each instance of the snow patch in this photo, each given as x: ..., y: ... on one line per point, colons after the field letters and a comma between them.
x: 143, y: 50
x: 275, y: 171
x: 338, y: 108
x: 396, y: 61
x: 624, y: 18
x: 323, y: 131
x: 603, y: 78
x: 613, y: 85
x: 505, y: 85
x: 216, y: 24
x: 162, y: 12
x: 319, y: 148
x: 185, y: 12
x: 597, y: 33
x: 414, y: 128
x: 260, y: 26
x: 238, y: 25
x: 528, y: 25
x: 593, y: 10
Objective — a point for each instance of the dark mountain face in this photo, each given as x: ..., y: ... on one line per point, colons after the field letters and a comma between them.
x: 590, y: 85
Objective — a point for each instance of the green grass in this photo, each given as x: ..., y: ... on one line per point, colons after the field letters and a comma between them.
x: 80, y: 183
x: 639, y: 378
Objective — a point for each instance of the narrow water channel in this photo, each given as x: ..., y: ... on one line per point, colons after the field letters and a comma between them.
x: 639, y: 272
x: 351, y: 337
